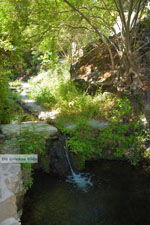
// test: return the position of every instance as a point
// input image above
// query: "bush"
(115, 141)
(30, 143)
(123, 110)
(55, 90)
(45, 97)
(5, 102)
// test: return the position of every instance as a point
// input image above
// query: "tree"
(12, 46)
(45, 26)
(130, 71)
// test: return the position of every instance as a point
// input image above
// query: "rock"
(40, 128)
(92, 123)
(25, 85)
(28, 103)
(40, 77)
(147, 56)
(70, 126)
(97, 125)
(31, 104)
(94, 69)
(12, 180)
(11, 191)
(8, 208)
(57, 157)
(48, 115)
(11, 221)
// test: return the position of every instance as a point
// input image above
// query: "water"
(81, 180)
(120, 195)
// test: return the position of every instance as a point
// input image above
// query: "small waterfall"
(69, 163)
(82, 180)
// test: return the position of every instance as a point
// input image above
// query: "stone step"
(91, 123)
(31, 104)
(41, 128)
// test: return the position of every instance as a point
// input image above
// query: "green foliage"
(123, 110)
(115, 141)
(84, 140)
(31, 143)
(145, 140)
(122, 140)
(55, 90)
(41, 32)
(10, 111)
(6, 106)
(12, 42)
(45, 97)
(15, 83)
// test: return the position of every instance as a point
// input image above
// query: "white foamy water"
(81, 180)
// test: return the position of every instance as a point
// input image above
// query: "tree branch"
(101, 35)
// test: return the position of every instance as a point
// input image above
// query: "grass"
(55, 90)
(122, 138)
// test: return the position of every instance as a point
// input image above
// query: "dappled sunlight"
(60, 94)
(74, 90)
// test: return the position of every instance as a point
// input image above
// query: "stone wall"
(11, 177)
(11, 191)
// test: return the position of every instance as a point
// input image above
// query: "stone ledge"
(95, 124)
(11, 221)
(37, 127)
(11, 189)
(8, 208)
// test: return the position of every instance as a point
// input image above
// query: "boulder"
(57, 156)
(94, 69)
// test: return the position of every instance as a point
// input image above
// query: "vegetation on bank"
(29, 143)
(40, 33)
(55, 90)
(117, 141)
(123, 138)
(39, 37)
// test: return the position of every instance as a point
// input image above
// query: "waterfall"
(81, 180)
(69, 163)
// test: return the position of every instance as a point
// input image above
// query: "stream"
(119, 195)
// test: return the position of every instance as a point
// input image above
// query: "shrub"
(55, 90)
(45, 97)
(115, 141)
(30, 143)
(5, 102)
(122, 110)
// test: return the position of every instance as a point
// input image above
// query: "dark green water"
(120, 196)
